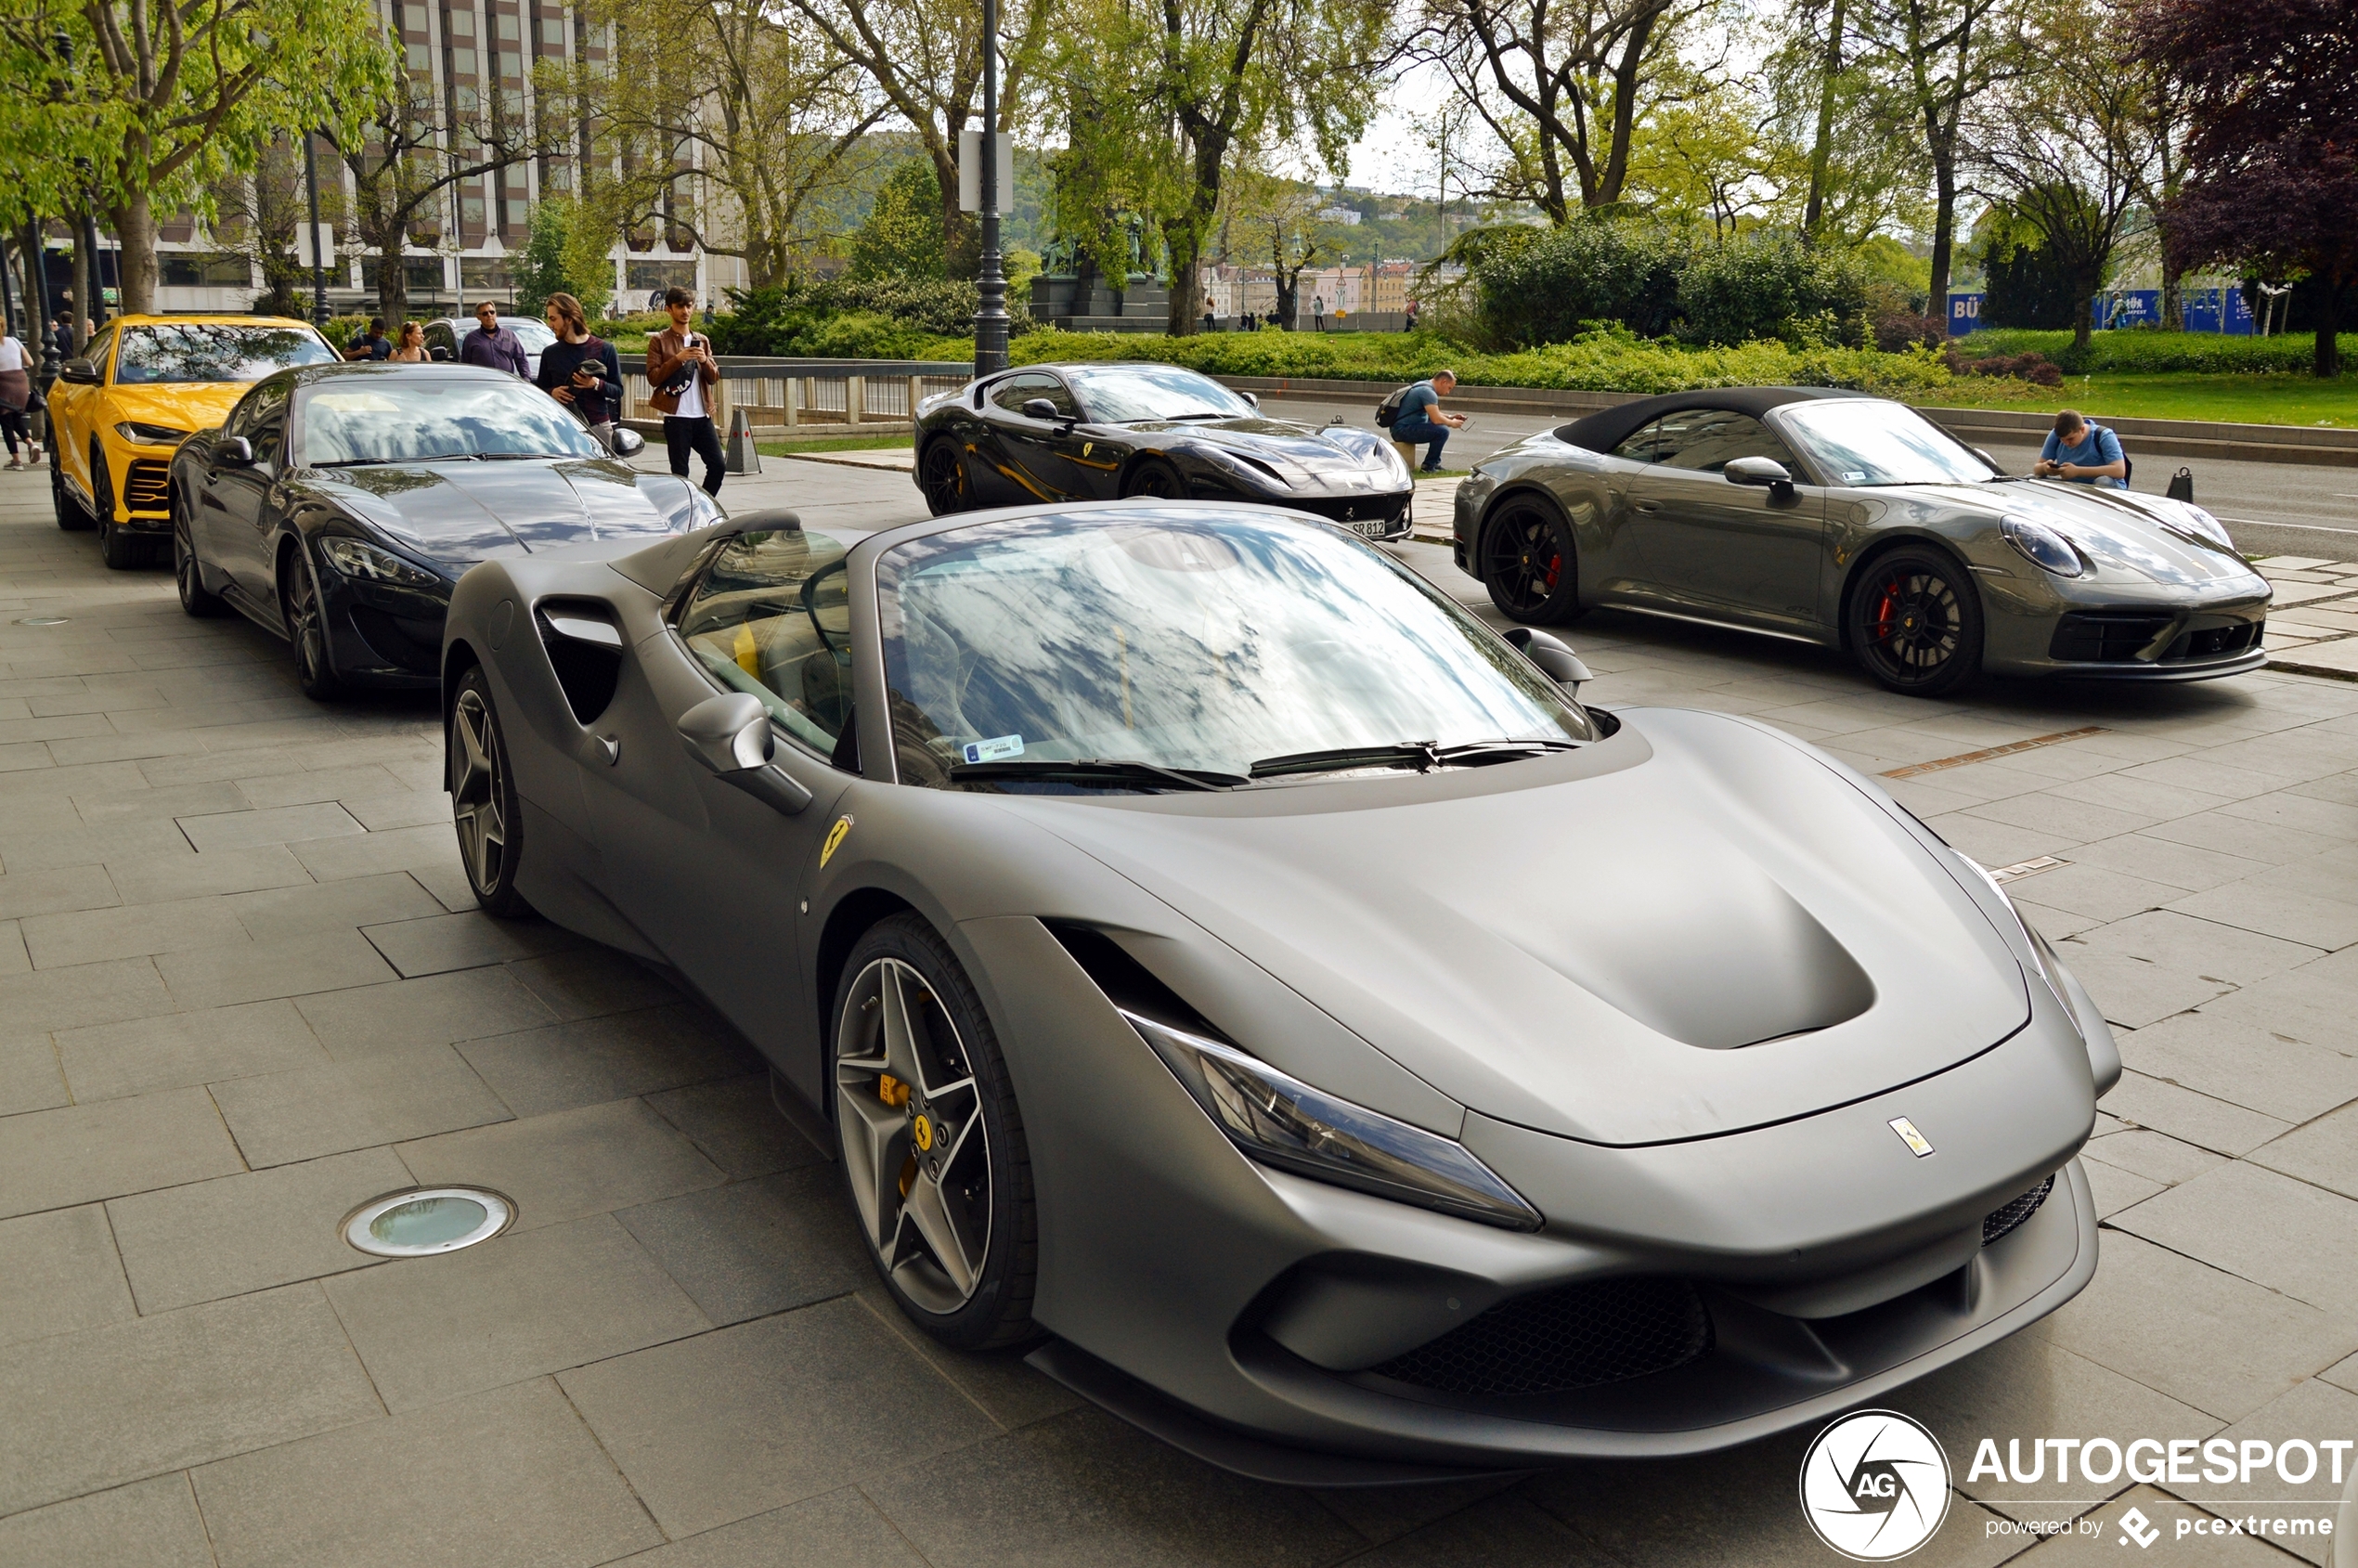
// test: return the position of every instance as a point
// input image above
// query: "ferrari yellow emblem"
(747, 652)
(835, 841)
(1087, 448)
(925, 1133)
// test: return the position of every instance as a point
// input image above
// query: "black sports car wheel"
(307, 629)
(482, 800)
(1916, 622)
(1528, 563)
(71, 518)
(942, 474)
(933, 1144)
(1155, 479)
(195, 598)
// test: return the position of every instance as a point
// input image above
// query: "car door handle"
(1649, 506)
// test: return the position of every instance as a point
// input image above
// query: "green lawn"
(2250, 399)
(832, 443)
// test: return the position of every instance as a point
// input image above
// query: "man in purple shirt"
(494, 346)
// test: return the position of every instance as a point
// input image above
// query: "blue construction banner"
(1965, 313)
(2116, 308)
(2219, 309)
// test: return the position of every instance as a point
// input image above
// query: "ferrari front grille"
(2000, 1221)
(145, 484)
(1573, 1337)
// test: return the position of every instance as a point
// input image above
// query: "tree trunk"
(1944, 232)
(2174, 296)
(134, 227)
(86, 278)
(2083, 320)
(1822, 149)
(393, 276)
(1187, 282)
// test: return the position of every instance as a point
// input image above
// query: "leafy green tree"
(902, 236)
(566, 253)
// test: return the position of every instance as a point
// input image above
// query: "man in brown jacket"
(683, 374)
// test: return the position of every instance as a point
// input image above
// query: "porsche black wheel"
(306, 621)
(1528, 563)
(1156, 480)
(483, 799)
(71, 518)
(1916, 622)
(195, 598)
(942, 474)
(933, 1143)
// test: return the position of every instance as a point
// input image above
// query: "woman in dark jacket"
(578, 371)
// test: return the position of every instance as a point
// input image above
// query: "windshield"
(1187, 639)
(1121, 393)
(214, 350)
(534, 335)
(417, 417)
(1866, 441)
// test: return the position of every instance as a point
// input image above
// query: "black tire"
(1914, 621)
(120, 548)
(195, 598)
(941, 475)
(71, 518)
(981, 1188)
(299, 607)
(483, 797)
(1154, 479)
(1528, 562)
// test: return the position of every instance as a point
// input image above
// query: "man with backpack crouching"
(1416, 415)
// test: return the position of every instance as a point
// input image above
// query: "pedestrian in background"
(1409, 325)
(372, 344)
(681, 369)
(1319, 312)
(2082, 453)
(411, 348)
(1210, 315)
(16, 393)
(494, 346)
(1421, 421)
(579, 370)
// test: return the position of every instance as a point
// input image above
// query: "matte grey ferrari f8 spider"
(1235, 972)
(1835, 518)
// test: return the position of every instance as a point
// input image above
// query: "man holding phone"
(579, 370)
(681, 370)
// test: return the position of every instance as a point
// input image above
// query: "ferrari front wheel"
(483, 799)
(942, 474)
(195, 598)
(1154, 479)
(933, 1141)
(1529, 564)
(1916, 622)
(307, 618)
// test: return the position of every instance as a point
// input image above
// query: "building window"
(189, 269)
(485, 272)
(419, 273)
(662, 274)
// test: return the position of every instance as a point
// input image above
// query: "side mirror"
(439, 355)
(1554, 656)
(1995, 466)
(628, 443)
(1765, 471)
(1041, 410)
(82, 372)
(730, 734)
(1256, 402)
(235, 451)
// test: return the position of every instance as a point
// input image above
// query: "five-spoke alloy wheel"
(933, 1144)
(483, 799)
(1155, 480)
(195, 598)
(1916, 622)
(306, 619)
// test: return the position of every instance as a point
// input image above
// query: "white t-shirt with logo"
(692, 395)
(12, 355)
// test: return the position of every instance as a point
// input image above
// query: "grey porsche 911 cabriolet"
(1854, 522)
(1233, 971)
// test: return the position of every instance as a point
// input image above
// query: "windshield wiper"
(365, 463)
(1096, 769)
(1423, 756)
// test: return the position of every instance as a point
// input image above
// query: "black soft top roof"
(1603, 431)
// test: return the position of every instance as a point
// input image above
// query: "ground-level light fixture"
(427, 1222)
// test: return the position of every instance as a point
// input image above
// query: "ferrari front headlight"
(360, 559)
(141, 434)
(2039, 947)
(1282, 1121)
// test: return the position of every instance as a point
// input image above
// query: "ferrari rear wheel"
(933, 1141)
(482, 800)
(1155, 479)
(195, 598)
(306, 620)
(942, 474)
(1529, 564)
(1916, 622)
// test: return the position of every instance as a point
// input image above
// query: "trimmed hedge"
(863, 318)
(2142, 351)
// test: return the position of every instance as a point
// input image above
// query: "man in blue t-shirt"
(1421, 421)
(2083, 453)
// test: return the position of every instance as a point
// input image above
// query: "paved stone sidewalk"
(242, 989)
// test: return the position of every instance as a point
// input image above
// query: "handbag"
(2182, 485)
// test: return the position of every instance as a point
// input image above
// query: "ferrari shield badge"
(836, 835)
(1918, 1145)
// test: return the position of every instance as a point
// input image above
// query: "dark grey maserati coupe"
(1835, 518)
(1226, 966)
(1101, 431)
(338, 504)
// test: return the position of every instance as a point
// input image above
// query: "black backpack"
(1388, 411)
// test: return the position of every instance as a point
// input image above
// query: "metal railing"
(781, 395)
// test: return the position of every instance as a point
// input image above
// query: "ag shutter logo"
(1875, 1485)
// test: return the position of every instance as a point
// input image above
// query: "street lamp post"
(39, 301)
(991, 307)
(319, 261)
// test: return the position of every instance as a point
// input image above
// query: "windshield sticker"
(991, 751)
(1852, 476)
